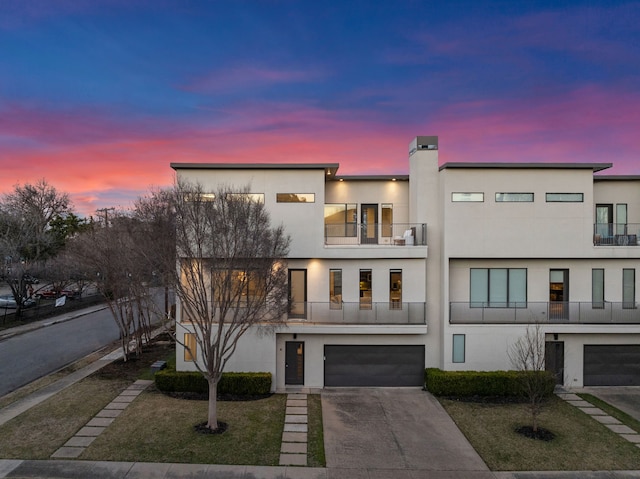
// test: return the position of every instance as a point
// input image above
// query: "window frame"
(282, 197)
(350, 228)
(558, 198)
(628, 303)
(190, 347)
(467, 197)
(597, 302)
(458, 348)
(335, 273)
(506, 198)
(487, 300)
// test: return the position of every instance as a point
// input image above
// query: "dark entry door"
(294, 363)
(554, 359)
(369, 215)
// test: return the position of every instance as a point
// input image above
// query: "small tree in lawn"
(231, 275)
(527, 356)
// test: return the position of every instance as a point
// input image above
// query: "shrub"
(481, 383)
(237, 384)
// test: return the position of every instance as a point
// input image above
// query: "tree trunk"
(212, 420)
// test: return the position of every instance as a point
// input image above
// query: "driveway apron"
(392, 428)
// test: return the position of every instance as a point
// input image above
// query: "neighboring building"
(445, 267)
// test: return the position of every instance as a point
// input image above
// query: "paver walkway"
(293, 451)
(96, 426)
(602, 417)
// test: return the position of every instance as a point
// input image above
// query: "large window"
(335, 288)
(395, 289)
(237, 287)
(340, 219)
(597, 288)
(498, 287)
(628, 288)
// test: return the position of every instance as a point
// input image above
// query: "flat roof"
(583, 166)
(614, 178)
(330, 168)
(372, 178)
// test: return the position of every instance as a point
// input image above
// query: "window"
(514, 197)
(565, 197)
(498, 287)
(628, 288)
(395, 289)
(295, 197)
(458, 348)
(340, 219)
(335, 289)
(256, 197)
(597, 288)
(387, 220)
(621, 219)
(467, 197)
(190, 347)
(365, 289)
(237, 287)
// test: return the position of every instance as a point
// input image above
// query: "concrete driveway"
(401, 429)
(625, 398)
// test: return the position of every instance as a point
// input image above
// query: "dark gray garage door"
(373, 365)
(612, 365)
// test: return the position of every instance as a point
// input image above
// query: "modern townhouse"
(445, 267)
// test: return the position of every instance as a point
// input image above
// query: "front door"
(554, 359)
(294, 363)
(559, 294)
(369, 230)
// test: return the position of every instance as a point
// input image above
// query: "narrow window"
(565, 197)
(295, 197)
(467, 197)
(628, 288)
(335, 289)
(597, 288)
(458, 348)
(365, 289)
(190, 347)
(621, 219)
(479, 287)
(514, 197)
(387, 220)
(255, 197)
(395, 289)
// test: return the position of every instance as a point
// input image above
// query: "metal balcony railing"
(393, 234)
(616, 234)
(358, 313)
(544, 312)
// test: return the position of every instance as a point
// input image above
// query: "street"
(29, 356)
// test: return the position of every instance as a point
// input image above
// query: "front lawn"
(581, 443)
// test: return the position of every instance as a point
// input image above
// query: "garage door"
(373, 365)
(612, 365)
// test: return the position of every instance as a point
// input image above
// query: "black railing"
(616, 234)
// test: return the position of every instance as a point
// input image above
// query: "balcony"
(616, 234)
(387, 313)
(395, 234)
(545, 312)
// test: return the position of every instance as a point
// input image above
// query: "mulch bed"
(203, 429)
(541, 434)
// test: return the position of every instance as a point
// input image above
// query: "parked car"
(8, 302)
(52, 294)
(30, 279)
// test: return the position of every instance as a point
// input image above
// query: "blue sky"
(99, 96)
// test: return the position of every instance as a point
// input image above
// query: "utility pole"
(106, 215)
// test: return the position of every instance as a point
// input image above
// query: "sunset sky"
(99, 96)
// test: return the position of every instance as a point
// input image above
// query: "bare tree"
(527, 356)
(26, 233)
(231, 275)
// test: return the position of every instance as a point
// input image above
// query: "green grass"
(315, 436)
(621, 416)
(581, 443)
(159, 428)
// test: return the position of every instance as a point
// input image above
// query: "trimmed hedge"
(240, 384)
(481, 383)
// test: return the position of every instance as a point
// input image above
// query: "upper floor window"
(387, 219)
(340, 219)
(498, 287)
(467, 197)
(514, 197)
(565, 197)
(257, 197)
(295, 197)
